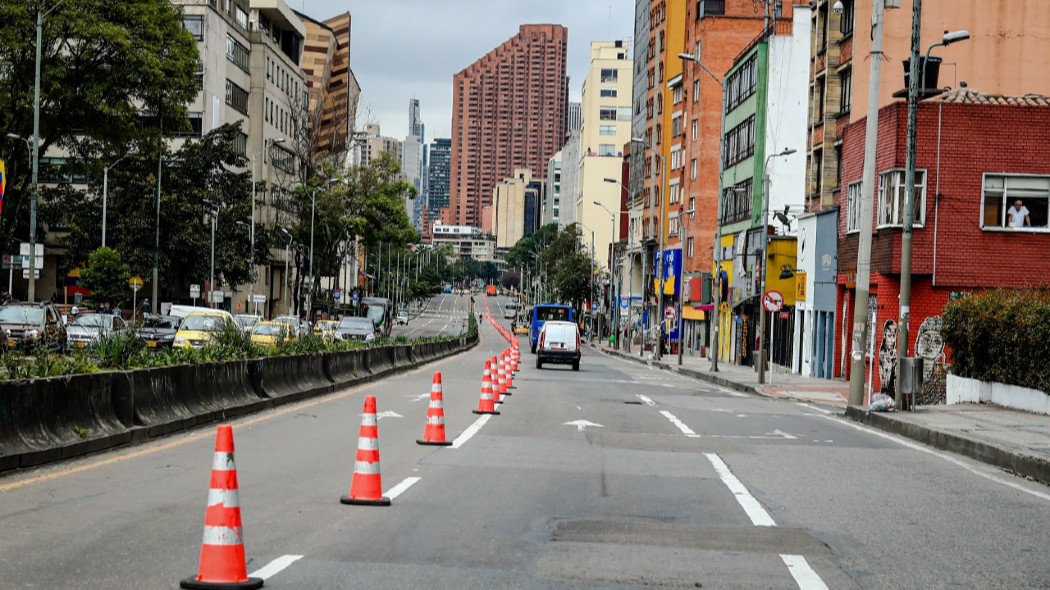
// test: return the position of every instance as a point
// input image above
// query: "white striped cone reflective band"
(368, 419)
(218, 535)
(222, 461)
(436, 420)
(366, 467)
(367, 443)
(226, 498)
(435, 405)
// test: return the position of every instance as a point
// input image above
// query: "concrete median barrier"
(286, 379)
(345, 367)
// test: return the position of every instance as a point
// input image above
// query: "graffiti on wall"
(929, 345)
(888, 357)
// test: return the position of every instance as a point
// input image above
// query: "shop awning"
(691, 313)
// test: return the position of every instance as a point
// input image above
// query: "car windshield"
(355, 324)
(246, 320)
(202, 323)
(161, 322)
(376, 313)
(90, 321)
(21, 315)
(269, 329)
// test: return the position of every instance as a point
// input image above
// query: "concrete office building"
(570, 179)
(515, 208)
(575, 117)
(551, 207)
(371, 143)
(606, 128)
(440, 157)
(509, 111)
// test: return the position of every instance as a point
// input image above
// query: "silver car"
(87, 330)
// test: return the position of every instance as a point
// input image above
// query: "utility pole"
(864, 221)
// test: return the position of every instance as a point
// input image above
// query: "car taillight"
(577, 340)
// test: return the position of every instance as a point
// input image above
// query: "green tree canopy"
(106, 276)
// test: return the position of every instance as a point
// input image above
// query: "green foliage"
(116, 350)
(43, 363)
(103, 64)
(106, 276)
(1001, 335)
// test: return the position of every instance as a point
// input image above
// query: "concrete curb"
(700, 375)
(1035, 467)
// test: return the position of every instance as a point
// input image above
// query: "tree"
(113, 74)
(573, 279)
(106, 276)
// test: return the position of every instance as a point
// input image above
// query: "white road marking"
(646, 400)
(784, 434)
(754, 510)
(681, 425)
(419, 397)
(401, 487)
(812, 407)
(800, 570)
(470, 431)
(274, 567)
(581, 424)
(948, 458)
(388, 414)
(805, 577)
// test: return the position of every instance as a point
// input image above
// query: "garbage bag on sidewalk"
(880, 402)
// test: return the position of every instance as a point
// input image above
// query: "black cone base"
(443, 443)
(193, 583)
(384, 501)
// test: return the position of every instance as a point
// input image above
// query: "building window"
(739, 142)
(607, 113)
(194, 23)
(240, 144)
(609, 75)
(736, 202)
(607, 130)
(742, 83)
(689, 247)
(196, 128)
(236, 53)
(696, 90)
(891, 198)
(676, 125)
(846, 83)
(282, 159)
(853, 208)
(623, 113)
(710, 7)
(692, 169)
(242, 17)
(846, 18)
(608, 93)
(1002, 193)
(237, 97)
(606, 149)
(696, 129)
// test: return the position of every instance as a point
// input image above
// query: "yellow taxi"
(271, 333)
(199, 328)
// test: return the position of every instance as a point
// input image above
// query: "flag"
(3, 184)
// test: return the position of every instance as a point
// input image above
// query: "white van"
(559, 343)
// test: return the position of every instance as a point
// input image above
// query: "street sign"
(216, 296)
(25, 273)
(195, 291)
(670, 312)
(258, 298)
(12, 261)
(337, 295)
(773, 300)
(625, 302)
(135, 283)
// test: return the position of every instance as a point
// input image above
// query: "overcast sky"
(400, 49)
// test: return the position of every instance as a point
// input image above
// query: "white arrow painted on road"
(419, 397)
(581, 424)
(388, 414)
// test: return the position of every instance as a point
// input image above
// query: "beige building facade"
(508, 208)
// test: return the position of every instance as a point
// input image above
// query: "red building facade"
(976, 155)
(508, 111)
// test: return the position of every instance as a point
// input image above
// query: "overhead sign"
(773, 300)
(216, 296)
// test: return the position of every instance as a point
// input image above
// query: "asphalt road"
(618, 476)
(444, 314)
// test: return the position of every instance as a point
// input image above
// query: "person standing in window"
(1018, 215)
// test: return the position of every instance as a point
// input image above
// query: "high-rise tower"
(508, 111)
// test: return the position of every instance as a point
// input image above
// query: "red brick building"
(976, 156)
(508, 111)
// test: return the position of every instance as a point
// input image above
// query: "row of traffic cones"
(222, 562)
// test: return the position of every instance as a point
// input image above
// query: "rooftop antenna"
(610, 22)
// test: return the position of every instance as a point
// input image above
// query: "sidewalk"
(1015, 441)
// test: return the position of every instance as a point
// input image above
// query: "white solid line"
(948, 458)
(470, 431)
(805, 405)
(274, 567)
(647, 401)
(805, 577)
(754, 510)
(401, 487)
(681, 425)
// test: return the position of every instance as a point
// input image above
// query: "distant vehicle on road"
(559, 344)
(402, 317)
(544, 312)
(87, 329)
(272, 333)
(381, 311)
(246, 321)
(158, 331)
(354, 328)
(490, 290)
(510, 311)
(27, 325)
(200, 328)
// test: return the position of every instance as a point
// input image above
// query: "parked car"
(199, 328)
(246, 321)
(158, 331)
(300, 328)
(87, 329)
(402, 317)
(559, 343)
(325, 329)
(272, 333)
(27, 325)
(355, 328)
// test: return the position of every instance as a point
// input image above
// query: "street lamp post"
(909, 183)
(214, 209)
(684, 237)
(310, 290)
(716, 249)
(763, 263)
(614, 304)
(660, 273)
(251, 231)
(287, 245)
(105, 194)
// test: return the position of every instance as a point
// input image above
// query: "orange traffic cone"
(434, 431)
(509, 373)
(222, 562)
(503, 377)
(486, 405)
(366, 487)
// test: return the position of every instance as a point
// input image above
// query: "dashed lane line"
(274, 567)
